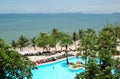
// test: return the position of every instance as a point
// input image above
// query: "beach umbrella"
(22, 53)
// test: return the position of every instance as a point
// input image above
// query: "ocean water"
(29, 25)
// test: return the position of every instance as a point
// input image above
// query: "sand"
(34, 58)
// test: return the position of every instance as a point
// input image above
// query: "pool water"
(57, 70)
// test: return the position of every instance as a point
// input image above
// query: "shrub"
(74, 66)
(78, 62)
(71, 63)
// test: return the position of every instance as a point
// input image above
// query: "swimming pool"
(57, 70)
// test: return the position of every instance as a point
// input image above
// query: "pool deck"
(35, 58)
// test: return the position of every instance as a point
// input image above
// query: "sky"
(59, 6)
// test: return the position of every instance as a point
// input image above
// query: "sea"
(30, 25)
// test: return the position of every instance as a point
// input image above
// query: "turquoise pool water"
(57, 70)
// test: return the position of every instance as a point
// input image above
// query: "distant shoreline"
(57, 13)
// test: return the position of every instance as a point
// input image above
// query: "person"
(53, 67)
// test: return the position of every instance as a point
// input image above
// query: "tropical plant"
(75, 38)
(116, 30)
(66, 41)
(22, 42)
(107, 46)
(33, 42)
(14, 44)
(56, 36)
(91, 70)
(88, 44)
(42, 40)
(89, 48)
(52, 42)
(80, 34)
(12, 65)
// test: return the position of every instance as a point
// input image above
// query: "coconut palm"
(55, 31)
(107, 47)
(88, 45)
(116, 30)
(66, 41)
(54, 38)
(51, 42)
(22, 42)
(14, 44)
(42, 41)
(80, 34)
(33, 42)
(56, 35)
(75, 39)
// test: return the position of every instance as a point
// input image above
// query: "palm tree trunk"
(14, 48)
(67, 55)
(34, 48)
(43, 49)
(75, 46)
(20, 48)
(61, 48)
(49, 49)
(55, 48)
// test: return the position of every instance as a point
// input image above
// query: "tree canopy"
(13, 65)
(105, 45)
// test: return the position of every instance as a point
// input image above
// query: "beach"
(34, 58)
(40, 57)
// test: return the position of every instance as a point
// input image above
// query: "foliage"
(75, 38)
(105, 45)
(22, 42)
(42, 40)
(12, 65)
(88, 44)
(66, 41)
(14, 44)
(33, 42)
(80, 34)
(52, 41)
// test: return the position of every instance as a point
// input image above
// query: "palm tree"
(42, 40)
(75, 39)
(88, 44)
(80, 33)
(116, 31)
(14, 44)
(107, 47)
(22, 42)
(33, 42)
(55, 31)
(65, 41)
(56, 35)
(52, 42)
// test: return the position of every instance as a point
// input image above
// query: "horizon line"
(64, 13)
